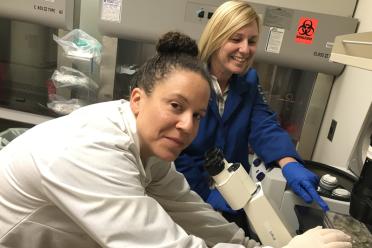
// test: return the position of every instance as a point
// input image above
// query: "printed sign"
(274, 42)
(111, 10)
(306, 29)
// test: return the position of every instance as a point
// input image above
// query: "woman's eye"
(198, 116)
(176, 106)
(252, 42)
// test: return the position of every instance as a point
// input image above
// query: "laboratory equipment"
(28, 56)
(295, 74)
(241, 192)
(335, 188)
(344, 202)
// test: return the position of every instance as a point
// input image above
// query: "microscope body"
(239, 190)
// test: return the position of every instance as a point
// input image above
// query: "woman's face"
(168, 118)
(236, 54)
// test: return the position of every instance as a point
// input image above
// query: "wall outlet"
(332, 130)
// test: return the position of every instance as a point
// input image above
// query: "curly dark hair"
(175, 51)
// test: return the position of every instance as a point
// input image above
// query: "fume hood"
(28, 56)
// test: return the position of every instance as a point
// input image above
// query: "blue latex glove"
(218, 202)
(304, 183)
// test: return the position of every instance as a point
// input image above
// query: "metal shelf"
(353, 49)
(20, 116)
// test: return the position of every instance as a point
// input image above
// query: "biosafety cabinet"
(292, 59)
(28, 56)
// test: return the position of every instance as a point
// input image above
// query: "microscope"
(241, 192)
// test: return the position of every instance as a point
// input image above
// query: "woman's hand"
(321, 238)
(304, 183)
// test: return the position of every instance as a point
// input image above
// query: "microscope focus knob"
(214, 161)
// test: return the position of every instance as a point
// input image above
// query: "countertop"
(361, 236)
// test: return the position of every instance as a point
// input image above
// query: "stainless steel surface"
(314, 115)
(108, 67)
(56, 13)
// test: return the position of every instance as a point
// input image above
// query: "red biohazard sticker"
(305, 30)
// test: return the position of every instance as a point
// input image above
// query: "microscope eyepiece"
(214, 163)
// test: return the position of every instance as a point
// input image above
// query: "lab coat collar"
(131, 129)
(130, 121)
(131, 126)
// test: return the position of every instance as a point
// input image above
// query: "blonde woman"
(237, 115)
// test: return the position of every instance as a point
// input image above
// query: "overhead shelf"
(353, 49)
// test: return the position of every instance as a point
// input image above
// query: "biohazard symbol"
(306, 29)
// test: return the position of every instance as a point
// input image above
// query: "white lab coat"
(78, 181)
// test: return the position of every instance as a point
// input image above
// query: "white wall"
(348, 105)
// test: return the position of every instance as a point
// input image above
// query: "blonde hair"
(228, 18)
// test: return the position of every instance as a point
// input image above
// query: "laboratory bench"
(360, 234)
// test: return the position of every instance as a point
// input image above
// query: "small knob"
(341, 193)
(257, 162)
(214, 163)
(200, 13)
(328, 182)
